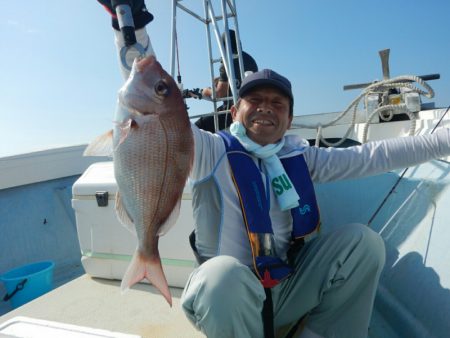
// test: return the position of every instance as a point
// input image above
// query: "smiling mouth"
(263, 122)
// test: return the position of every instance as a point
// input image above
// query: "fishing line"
(401, 176)
(178, 56)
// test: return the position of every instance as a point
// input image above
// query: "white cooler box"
(107, 246)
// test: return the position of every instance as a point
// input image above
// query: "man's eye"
(280, 104)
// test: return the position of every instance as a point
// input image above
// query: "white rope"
(385, 112)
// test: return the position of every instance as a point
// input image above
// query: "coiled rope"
(385, 112)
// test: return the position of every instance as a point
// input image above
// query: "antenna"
(384, 55)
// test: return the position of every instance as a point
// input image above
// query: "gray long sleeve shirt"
(219, 224)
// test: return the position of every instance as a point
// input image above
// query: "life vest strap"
(268, 267)
(267, 315)
(272, 270)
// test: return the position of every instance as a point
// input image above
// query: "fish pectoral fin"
(124, 128)
(101, 146)
(171, 220)
(123, 215)
(150, 268)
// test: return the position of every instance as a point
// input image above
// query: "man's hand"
(195, 93)
(141, 16)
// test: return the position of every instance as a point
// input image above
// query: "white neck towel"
(281, 184)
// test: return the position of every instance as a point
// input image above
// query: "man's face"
(264, 112)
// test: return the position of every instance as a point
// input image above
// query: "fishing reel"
(195, 93)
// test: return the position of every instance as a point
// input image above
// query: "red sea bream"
(152, 153)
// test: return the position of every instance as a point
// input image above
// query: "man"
(254, 203)
(334, 276)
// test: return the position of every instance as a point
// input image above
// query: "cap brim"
(248, 87)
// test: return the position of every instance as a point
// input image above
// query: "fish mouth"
(136, 112)
(144, 62)
(145, 113)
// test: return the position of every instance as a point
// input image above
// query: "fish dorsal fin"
(101, 146)
(171, 220)
(123, 215)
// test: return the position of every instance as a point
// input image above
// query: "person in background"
(263, 263)
(223, 88)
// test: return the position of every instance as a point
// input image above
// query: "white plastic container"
(107, 246)
(371, 105)
(412, 101)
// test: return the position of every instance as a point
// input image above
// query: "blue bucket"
(28, 282)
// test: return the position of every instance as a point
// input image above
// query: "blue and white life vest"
(246, 176)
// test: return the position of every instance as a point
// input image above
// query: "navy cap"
(267, 77)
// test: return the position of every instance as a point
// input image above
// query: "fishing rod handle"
(125, 19)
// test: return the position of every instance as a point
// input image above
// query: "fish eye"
(161, 88)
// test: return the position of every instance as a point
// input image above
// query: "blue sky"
(59, 70)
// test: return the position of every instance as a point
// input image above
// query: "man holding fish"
(253, 203)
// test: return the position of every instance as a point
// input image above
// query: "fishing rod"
(402, 175)
(124, 15)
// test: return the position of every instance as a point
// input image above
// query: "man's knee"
(223, 294)
(224, 273)
(219, 285)
(370, 244)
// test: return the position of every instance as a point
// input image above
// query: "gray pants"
(335, 279)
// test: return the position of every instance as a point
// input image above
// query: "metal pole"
(226, 55)
(211, 68)
(229, 55)
(219, 42)
(173, 37)
(238, 38)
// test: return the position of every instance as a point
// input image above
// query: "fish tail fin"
(142, 267)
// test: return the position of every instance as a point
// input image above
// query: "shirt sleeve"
(331, 164)
(209, 148)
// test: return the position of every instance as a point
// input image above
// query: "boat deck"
(98, 304)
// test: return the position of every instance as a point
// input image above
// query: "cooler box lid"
(97, 177)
